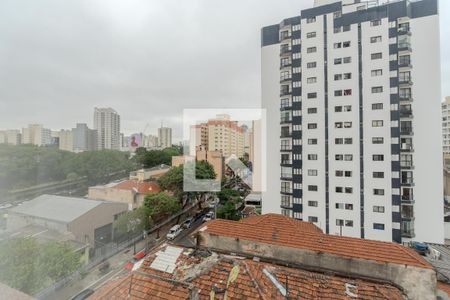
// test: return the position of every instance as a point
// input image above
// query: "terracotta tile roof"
(285, 231)
(143, 187)
(445, 287)
(203, 273)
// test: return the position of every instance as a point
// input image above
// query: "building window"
(378, 209)
(378, 55)
(286, 212)
(347, 108)
(348, 223)
(339, 141)
(346, 28)
(377, 72)
(377, 89)
(347, 76)
(375, 39)
(347, 92)
(378, 192)
(285, 103)
(338, 61)
(313, 203)
(338, 109)
(311, 20)
(348, 157)
(404, 60)
(285, 201)
(378, 174)
(377, 106)
(378, 226)
(339, 222)
(312, 95)
(377, 123)
(311, 80)
(347, 124)
(348, 173)
(337, 45)
(338, 93)
(346, 44)
(337, 77)
(313, 219)
(377, 140)
(347, 60)
(337, 14)
(339, 157)
(337, 29)
(311, 50)
(312, 172)
(311, 34)
(312, 156)
(339, 189)
(375, 23)
(312, 125)
(311, 65)
(312, 141)
(378, 157)
(348, 190)
(348, 141)
(285, 187)
(338, 125)
(312, 188)
(339, 173)
(312, 110)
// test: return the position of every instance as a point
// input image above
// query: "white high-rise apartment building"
(65, 140)
(165, 137)
(446, 125)
(107, 125)
(352, 92)
(10, 136)
(36, 134)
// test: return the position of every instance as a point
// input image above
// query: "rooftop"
(142, 187)
(56, 208)
(205, 274)
(272, 229)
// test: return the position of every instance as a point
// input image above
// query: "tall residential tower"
(352, 92)
(107, 125)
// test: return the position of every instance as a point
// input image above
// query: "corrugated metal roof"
(165, 261)
(56, 208)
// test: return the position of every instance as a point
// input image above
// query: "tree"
(161, 205)
(132, 222)
(30, 266)
(152, 158)
(227, 194)
(228, 211)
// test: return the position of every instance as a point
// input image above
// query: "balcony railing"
(404, 30)
(285, 106)
(406, 164)
(286, 191)
(286, 148)
(406, 131)
(285, 92)
(285, 37)
(285, 50)
(405, 97)
(405, 81)
(404, 47)
(285, 78)
(405, 113)
(407, 181)
(285, 120)
(406, 147)
(407, 198)
(286, 135)
(286, 176)
(286, 162)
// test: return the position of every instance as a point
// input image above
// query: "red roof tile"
(285, 231)
(445, 287)
(206, 273)
(143, 187)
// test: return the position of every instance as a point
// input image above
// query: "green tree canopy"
(161, 205)
(30, 266)
(152, 158)
(228, 211)
(133, 222)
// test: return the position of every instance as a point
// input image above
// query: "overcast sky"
(148, 59)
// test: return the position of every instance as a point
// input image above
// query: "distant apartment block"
(66, 140)
(36, 134)
(107, 125)
(10, 136)
(352, 92)
(84, 138)
(218, 134)
(165, 137)
(446, 126)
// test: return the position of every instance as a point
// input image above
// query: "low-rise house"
(130, 192)
(88, 221)
(150, 173)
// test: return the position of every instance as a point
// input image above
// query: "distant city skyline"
(59, 60)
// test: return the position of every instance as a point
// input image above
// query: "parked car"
(208, 217)
(419, 247)
(83, 295)
(174, 232)
(137, 257)
(188, 223)
(199, 215)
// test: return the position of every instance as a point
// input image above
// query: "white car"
(174, 232)
(208, 217)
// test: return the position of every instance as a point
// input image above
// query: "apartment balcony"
(408, 233)
(405, 64)
(405, 81)
(409, 165)
(285, 51)
(285, 93)
(406, 46)
(285, 120)
(285, 78)
(285, 65)
(406, 113)
(286, 148)
(286, 176)
(285, 106)
(406, 131)
(286, 163)
(407, 182)
(406, 148)
(286, 191)
(407, 199)
(286, 134)
(285, 37)
(405, 98)
(286, 205)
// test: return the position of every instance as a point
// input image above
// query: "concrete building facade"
(107, 125)
(165, 137)
(352, 94)
(36, 134)
(446, 126)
